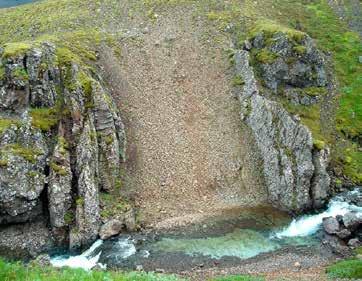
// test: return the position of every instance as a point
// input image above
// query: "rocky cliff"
(290, 70)
(62, 142)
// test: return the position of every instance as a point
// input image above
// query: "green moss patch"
(44, 118)
(58, 169)
(7, 123)
(29, 154)
(15, 49)
(264, 56)
(269, 29)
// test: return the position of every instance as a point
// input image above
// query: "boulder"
(354, 243)
(331, 225)
(344, 234)
(352, 220)
(111, 228)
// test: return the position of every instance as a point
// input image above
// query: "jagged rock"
(23, 152)
(25, 241)
(297, 97)
(60, 185)
(321, 181)
(336, 245)
(110, 139)
(285, 145)
(331, 225)
(87, 210)
(130, 220)
(65, 141)
(111, 228)
(352, 220)
(297, 64)
(354, 243)
(344, 234)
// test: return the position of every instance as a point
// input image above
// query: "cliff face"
(62, 142)
(294, 168)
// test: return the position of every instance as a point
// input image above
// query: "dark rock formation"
(61, 142)
(343, 233)
(294, 172)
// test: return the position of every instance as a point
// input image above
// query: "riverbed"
(243, 238)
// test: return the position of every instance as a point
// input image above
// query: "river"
(187, 249)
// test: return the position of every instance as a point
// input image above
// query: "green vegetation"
(20, 73)
(24, 152)
(349, 269)
(4, 163)
(69, 217)
(19, 272)
(239, 278)
(300, 50)
(270, 28)
(113, 204)
(15, 49)
(44, 118)
(7, 123)
(58, 169)
(2, 72)
(318, 144)
(79, 201)
(265, 56)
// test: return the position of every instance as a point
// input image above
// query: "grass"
(14, 49)
(18, 272)
(349, 269)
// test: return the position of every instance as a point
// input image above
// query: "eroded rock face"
(61, 142)
(289, 59)
(295, 174)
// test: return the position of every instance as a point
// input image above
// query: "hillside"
(151, 115)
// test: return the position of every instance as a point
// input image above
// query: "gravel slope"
(187, 152)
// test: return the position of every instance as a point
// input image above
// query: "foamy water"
(86, 260)
(310, 224)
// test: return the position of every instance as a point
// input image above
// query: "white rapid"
(86, 260)
(310, 224)
(123, 248)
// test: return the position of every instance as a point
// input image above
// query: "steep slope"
(187, 152)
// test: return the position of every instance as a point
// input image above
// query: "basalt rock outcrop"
(61, 142)
(273, 70)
